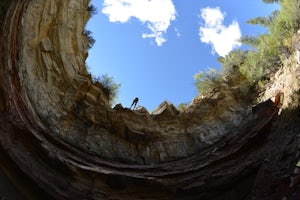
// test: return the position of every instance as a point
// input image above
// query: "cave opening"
(58, 130)
(145, 70)
(161, 67)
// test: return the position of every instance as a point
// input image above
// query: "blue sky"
(154, 48)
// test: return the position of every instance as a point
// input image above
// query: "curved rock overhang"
(58, 130)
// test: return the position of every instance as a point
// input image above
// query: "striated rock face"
(59, 135)
(61, 96)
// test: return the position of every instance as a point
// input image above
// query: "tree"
(259, 20)
(265, 21)
(234, 58)
(206, 81)
(92, 9)
(250, 41)
(288, 19)
(91, 41)
(271, 1)
(269, 47)
(110, 87)
(182, 106)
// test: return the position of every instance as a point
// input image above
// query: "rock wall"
(60, 93)
(58, 130)
(286, 79)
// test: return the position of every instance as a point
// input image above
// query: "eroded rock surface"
(58, 90)
(59, 132)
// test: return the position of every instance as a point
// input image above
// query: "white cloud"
(178, 34)
(222, 38)
(157, 14)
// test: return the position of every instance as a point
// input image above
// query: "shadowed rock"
(59, 134)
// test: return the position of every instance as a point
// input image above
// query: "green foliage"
(270, 46)
(182, 107)
(253, 67)
(233, 60)
(87, 33)
(259, 20)
(110, 87)
(287, 21)
(206, 81)
(271, 1)
(268, 49)
(265, 21)
(210, 79)
(91, 41)
(92, 9)
(257, 64)
(250, 41)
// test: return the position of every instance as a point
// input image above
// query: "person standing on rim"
(135, 101)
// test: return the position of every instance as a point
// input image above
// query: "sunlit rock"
(58, 131)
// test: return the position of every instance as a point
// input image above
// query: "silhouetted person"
(135, 101)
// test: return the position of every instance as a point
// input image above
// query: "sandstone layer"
(60, 137)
